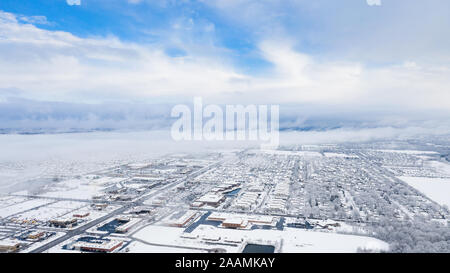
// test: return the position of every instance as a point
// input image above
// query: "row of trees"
(416, 235)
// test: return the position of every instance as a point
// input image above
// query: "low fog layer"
(31, 160)
(20, 115)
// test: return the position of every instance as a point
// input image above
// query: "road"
(122, 209)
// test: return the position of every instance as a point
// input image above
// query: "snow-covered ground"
(440, 167)
(51, 211)
(289, 239)
(138, 247)
(82, 188)
(437, 189)
(34, 160)
(340, 155)
(299, 153)
(11, 200)
(22, 206)
(411, 152)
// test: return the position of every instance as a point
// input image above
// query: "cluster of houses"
(278, 198)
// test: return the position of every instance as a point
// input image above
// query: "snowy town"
(299, 198)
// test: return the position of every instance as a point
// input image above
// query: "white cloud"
(58, 65)
(345, 29)
(73, 2)
(374, 2)
(359, 135)
(37, 20)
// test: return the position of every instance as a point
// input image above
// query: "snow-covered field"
(289, 240)
(22, 206)
(299, 153)
(437, 189)
(138, 247)
(10, 200)
(411, 152)
(51, 211)
(27, 158)
(440, 167)
(339, 155)
(81, 188)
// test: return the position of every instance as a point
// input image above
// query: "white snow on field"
(290, 239)
(299, 153)
(81, 188)
(339, 155)
(23, 206)
(11, 200)
(440, 167)
(68, 205)
(27, 157)
(135, 185)
(138, 247)
(411, 152)
(309, 241)
(51, 211)
(437, 189)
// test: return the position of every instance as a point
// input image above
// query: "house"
(8, 245)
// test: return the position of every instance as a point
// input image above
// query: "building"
(234, 223)
(211, 238)
(196, 204)
(145, 179)
(261, 220)
(36, 235)
(124, 197)
(246, 201)
(185, 219)
(116, 189)
(158, 203)
(9, 246)
(81, 214)
(216, 216)
(123, 219)
(97, 197)
(103, 246)
(63, 223)
(127, 226)
(242, 221)
(211, 199)
(142, 210)
(148, 181)
(299, 223)
(100, 206)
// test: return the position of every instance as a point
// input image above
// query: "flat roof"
(106, 245)
(210, 198)
(233, 221)
(9, 242)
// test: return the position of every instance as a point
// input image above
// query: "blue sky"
(342, 56)
(146, 22)
(317, 27)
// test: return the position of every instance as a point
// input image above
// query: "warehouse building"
(211, 199)
(184, 219)
(7, 246)
(63, 223)
(127, 226)
(103, 246)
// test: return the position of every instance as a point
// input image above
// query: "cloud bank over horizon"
(318, 63)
